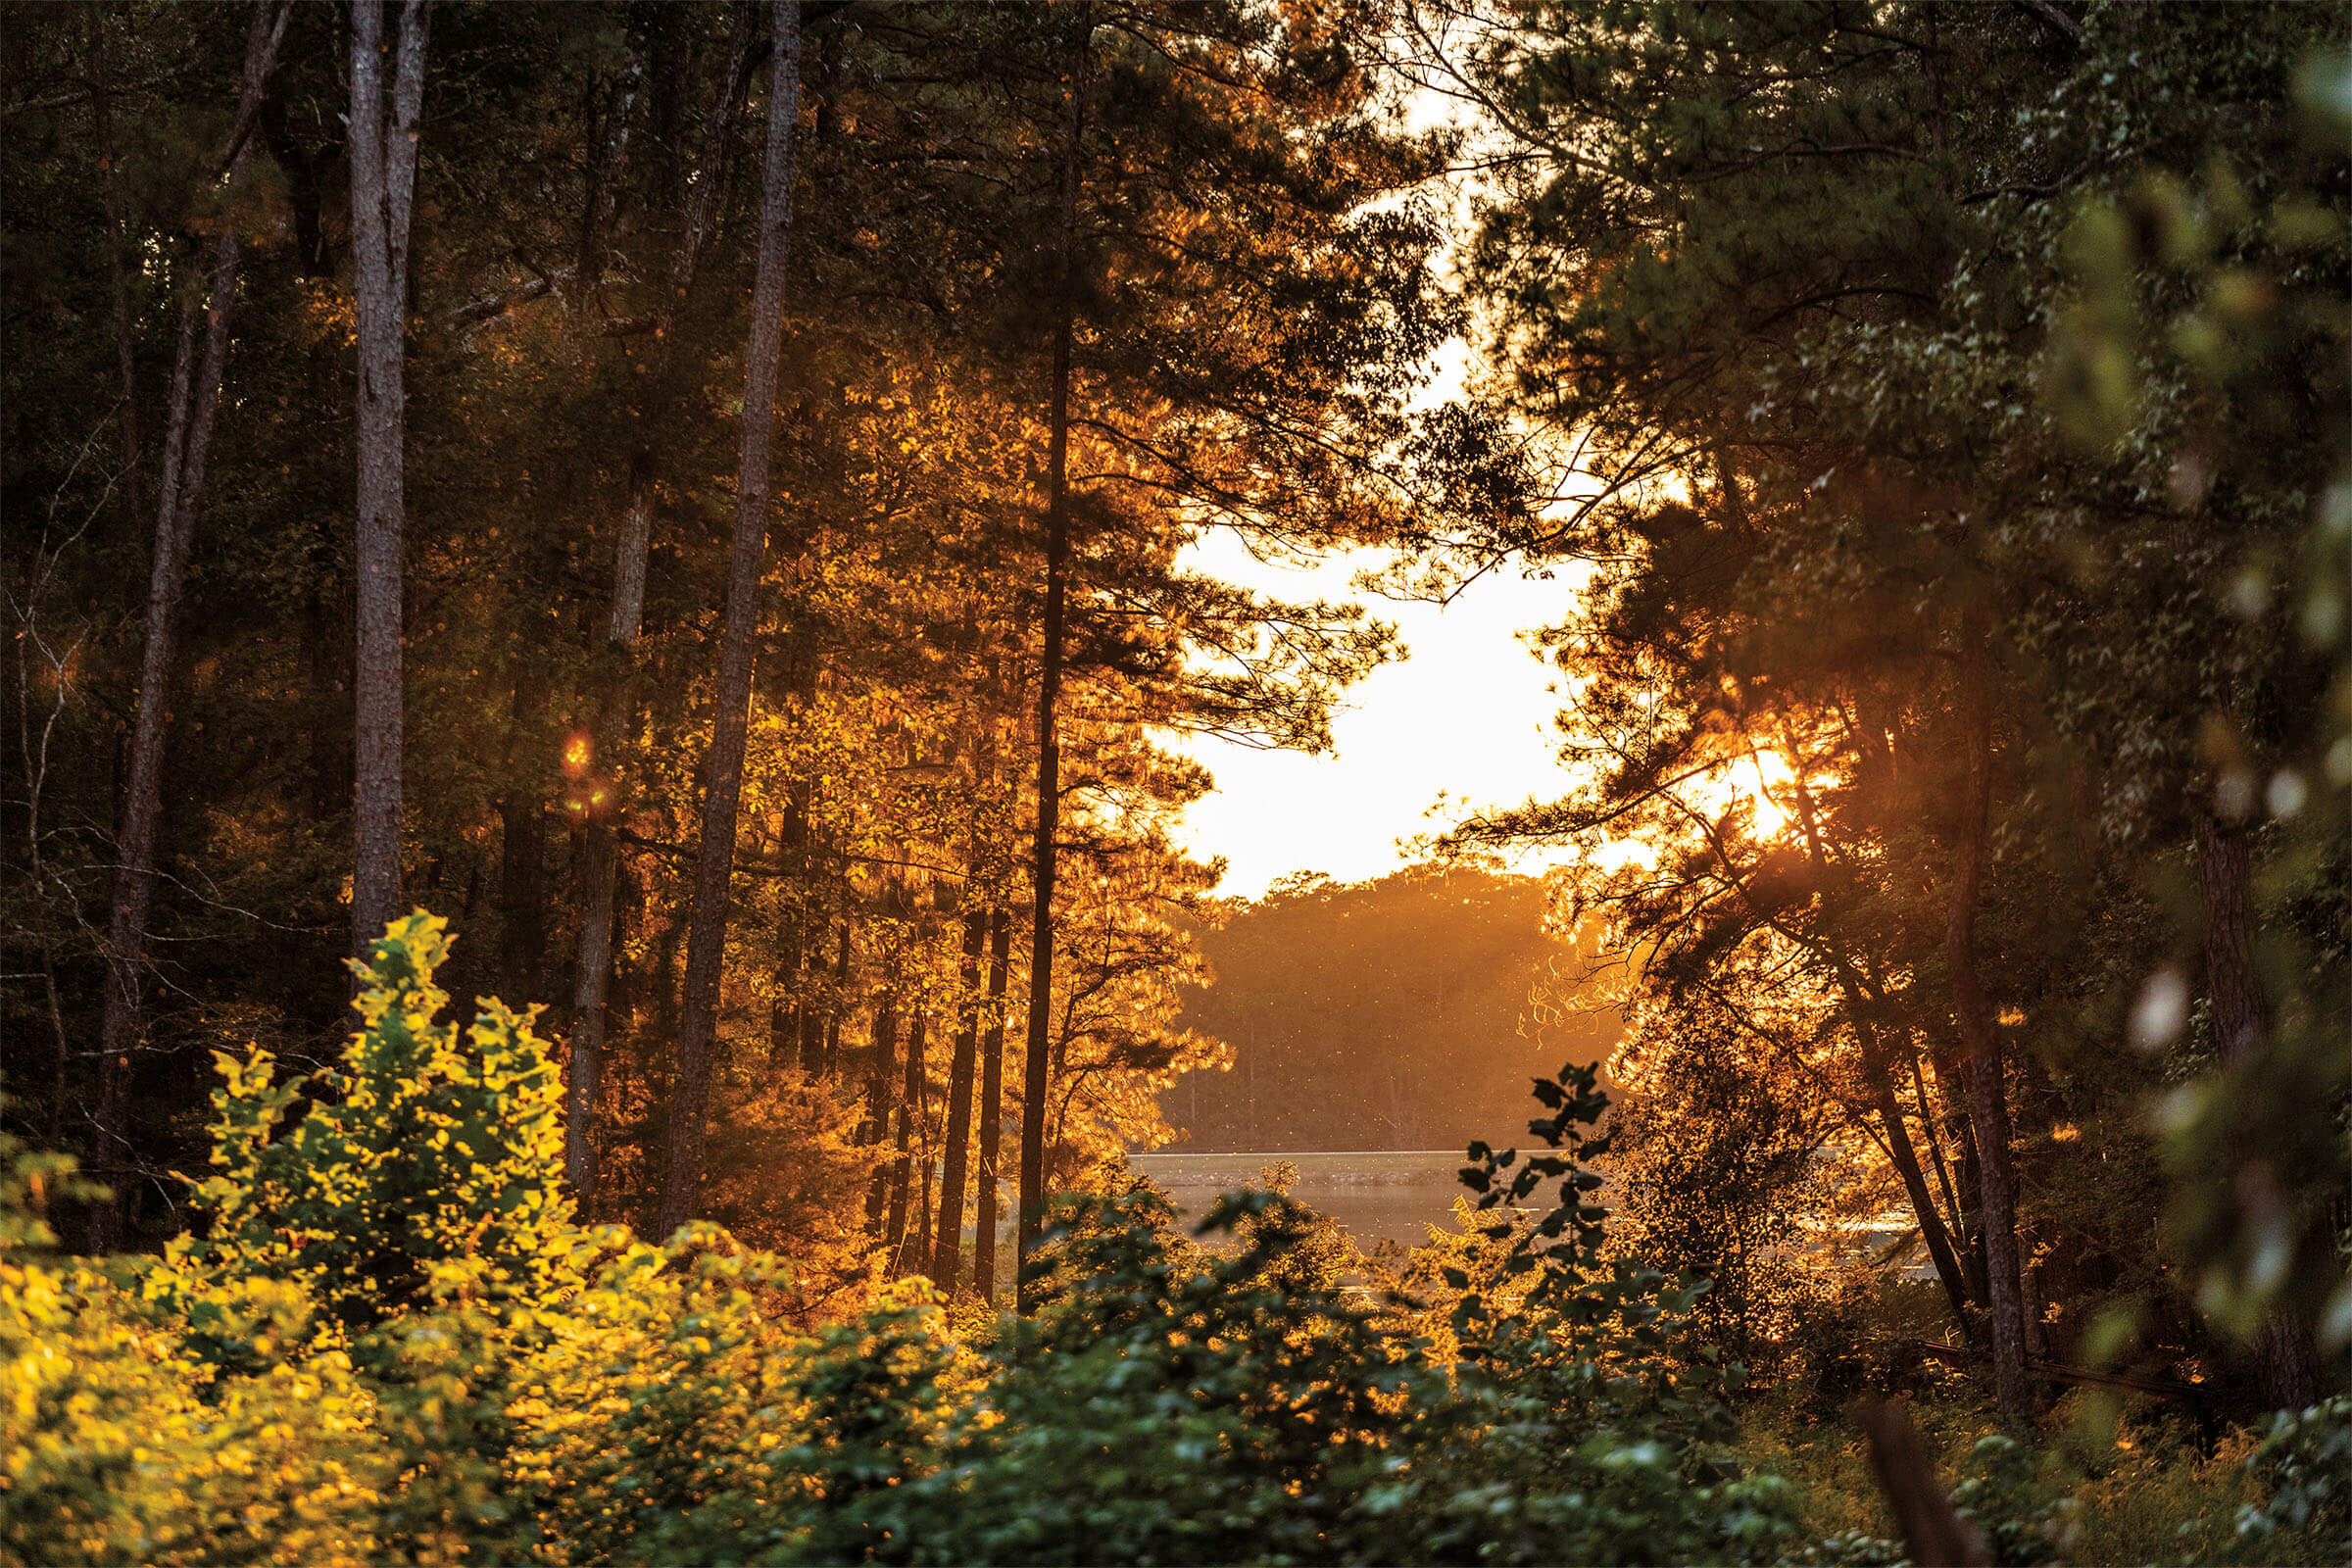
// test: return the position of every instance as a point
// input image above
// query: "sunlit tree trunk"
(1981, 1046)
(2288, 1361)
(830, 1061)
(722, 787)
(991, 1107)
(1049, 691)
(872, 1132)
(947, 1262)
(808, 1019)
(901, 1166)
(187, 448)
(383, 186)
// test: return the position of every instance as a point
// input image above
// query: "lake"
(1378, 1194)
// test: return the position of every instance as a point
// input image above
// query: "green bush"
(394, 1342)
(121, 1444)
(428, 1147)
(2304, 1464)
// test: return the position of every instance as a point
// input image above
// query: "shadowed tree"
(385, 139)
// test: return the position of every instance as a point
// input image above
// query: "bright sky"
(1464, 721)
(1468, 717)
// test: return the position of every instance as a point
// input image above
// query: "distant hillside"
(1383, 1014)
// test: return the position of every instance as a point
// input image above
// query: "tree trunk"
(811, 1044)
(1929, 1123)
(948, 1260)
(523, 851)
(700, 210)
(611, 106)
(715, 856)
(902, 1175)
(922, 1196)
(188, 449)
(601, 862)
(1953, 1083)
(991, 1107)
(383, 187)
(1981, 1046)
(911, 1115)
(1048, 692)
(829, 1062)
(117, 276)
(894, 1232)
(2289, 1358)
(875, 1127)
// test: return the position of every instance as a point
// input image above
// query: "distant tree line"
(1411, 1012)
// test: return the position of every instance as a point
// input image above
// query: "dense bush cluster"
(393, 1341)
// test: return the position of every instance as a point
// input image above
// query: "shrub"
(395, 1343)
(120, 1446)
(2304, 1463)
(427, 1147)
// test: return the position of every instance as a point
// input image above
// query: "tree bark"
(830, 1062)
(901, 1178)
(1981, 1046)
(523, 851)
(117, 276)
(188, 449)
(1953, 1083)
(383, 188)
(991, 1107)
(715, 856)
(2288, 1358)
(811, 1044)
(700, 210)
(875, 1127)
(947, 1262)
(617, 101)
(602, 860)
(1049, 691)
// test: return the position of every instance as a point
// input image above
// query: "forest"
(610, 641)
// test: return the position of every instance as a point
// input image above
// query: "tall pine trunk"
(1981, 1045)
(1049, 693)
(600, 860)
(903, 1260)
(991, 1107)
(948, 1258)
(383, 187)
(600, 865)
(187, 448)
(880, 1075)
(722, 787)
(522, 847)
(2289, 1363)
(117, 240)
